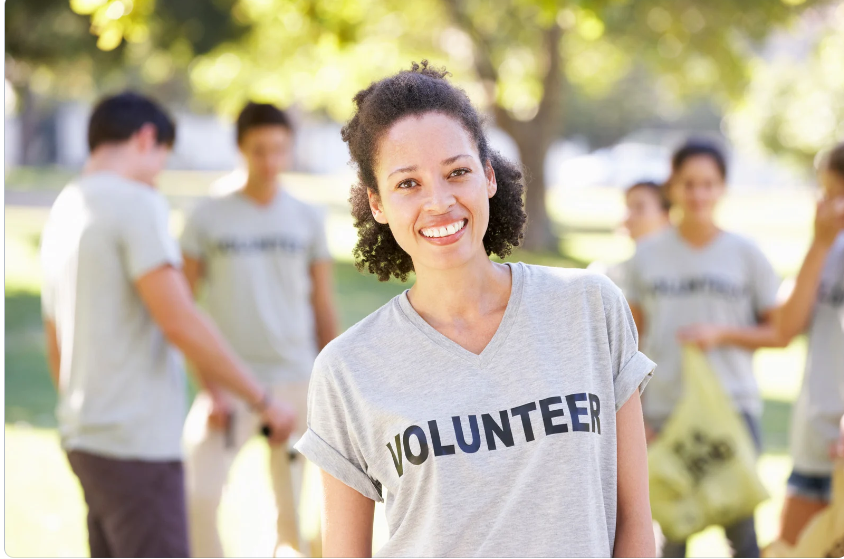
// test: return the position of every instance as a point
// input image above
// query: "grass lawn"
(44, 511)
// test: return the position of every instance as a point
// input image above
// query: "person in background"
(262, 258)
(815, 306)
(115, 304)
(647, 213)
(695, 283)
(648, 210)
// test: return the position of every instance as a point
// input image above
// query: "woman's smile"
(444, 234)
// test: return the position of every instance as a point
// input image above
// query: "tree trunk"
(539, 236)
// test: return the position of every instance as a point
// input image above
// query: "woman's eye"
(405, 184)
(459, 172)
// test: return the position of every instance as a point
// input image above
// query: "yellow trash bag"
(702, 468)
(824, 535)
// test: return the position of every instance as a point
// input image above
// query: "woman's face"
(434, 190)
(696, 188)
(644, 212)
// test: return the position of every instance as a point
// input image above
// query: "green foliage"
(795, 105)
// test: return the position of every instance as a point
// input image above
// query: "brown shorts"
(136, 508)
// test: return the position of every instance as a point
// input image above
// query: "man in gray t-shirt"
(113, 300)
(262, 258)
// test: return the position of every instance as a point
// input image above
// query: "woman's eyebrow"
(403, 170)
(451, 160)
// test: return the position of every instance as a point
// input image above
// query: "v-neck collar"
(486, 356)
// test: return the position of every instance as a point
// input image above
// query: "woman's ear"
(491, 183)
(376, 207)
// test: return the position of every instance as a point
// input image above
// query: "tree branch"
(484, 66)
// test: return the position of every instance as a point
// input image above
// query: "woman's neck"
(472, 291)
(262, 193)
(698, 233)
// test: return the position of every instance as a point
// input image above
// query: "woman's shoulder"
(360, 339)
(561, 280)
(744, 244)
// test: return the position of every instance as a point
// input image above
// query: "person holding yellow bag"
(695, 283)
(816, 305)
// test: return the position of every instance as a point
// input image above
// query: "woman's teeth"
(451, 229)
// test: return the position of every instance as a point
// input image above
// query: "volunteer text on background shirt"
(122, 391)
(508, 453)
(728, 282)
(818, 410)
(257, 268)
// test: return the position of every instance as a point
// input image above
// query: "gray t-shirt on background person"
(508, 453)
(817, 413)
(122, 388)
(729, 282)
(257, 276)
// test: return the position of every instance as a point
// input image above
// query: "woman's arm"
(347, 518)
(634, 534)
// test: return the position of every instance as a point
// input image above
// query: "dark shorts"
(136, 508)
(814, 487)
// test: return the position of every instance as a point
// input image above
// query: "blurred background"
(589, 95)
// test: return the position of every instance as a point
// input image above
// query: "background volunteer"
(263, 259)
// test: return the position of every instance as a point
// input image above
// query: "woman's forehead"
(433, 136)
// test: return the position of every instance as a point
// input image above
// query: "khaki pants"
(209, 454)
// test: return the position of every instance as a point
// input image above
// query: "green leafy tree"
(520, 59)
(794, 106)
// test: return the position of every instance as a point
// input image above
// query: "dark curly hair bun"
(420, 90)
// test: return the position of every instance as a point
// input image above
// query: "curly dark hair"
(420, 90)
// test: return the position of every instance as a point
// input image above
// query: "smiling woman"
(476, 355)
(382, 105)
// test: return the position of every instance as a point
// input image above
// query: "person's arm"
(793, 316)
(166, 295)
(221, 407)
(194, 270)
(53, 353)
(347, 519)
(634, 536)
(322, 300)
(707, 336)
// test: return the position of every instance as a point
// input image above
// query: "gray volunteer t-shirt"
(122, 386)
(257, 269)
(508, 453)
(817, 413)
(728, 282)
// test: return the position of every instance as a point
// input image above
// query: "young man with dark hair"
(114, 304)
(264, 262)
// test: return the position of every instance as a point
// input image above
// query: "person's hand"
(829, 220)
(221, 410)
(280, 418)
(703, 336)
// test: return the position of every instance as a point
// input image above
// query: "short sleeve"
(764, 282)
(192, 240)
(328, 441)
(146, 240)
(318, 250)
(631, 369)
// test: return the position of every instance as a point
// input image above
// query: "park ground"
(44, 508)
